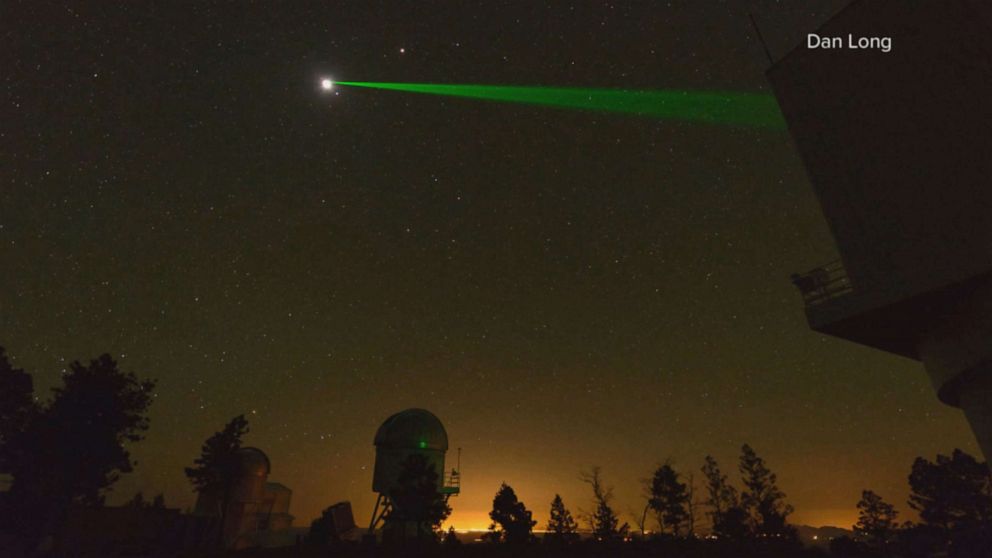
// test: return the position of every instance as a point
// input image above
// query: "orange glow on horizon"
(468, 521)
(475, 521)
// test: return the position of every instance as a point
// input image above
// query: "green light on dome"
(422, 445)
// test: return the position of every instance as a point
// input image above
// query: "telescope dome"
(253, 462)
(412, 429)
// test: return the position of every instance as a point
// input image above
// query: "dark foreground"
(536, 550)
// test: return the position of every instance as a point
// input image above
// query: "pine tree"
(450, 539)
(511, 520)
(17, 410)
(215, 470)
(953, 494)
(762, 499)
(669, 499)
(416, 497)
(562, 528)
(727, 518)
(876, 519)
(606, 525)
(603, 521)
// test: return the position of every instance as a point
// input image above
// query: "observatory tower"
(413, 432)
(896, 147)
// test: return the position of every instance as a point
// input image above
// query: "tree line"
(756, 511)
(952, 495)
(71, 448)
(953, 498)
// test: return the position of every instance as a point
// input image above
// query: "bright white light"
(326, 84)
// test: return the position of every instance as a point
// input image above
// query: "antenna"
(459, 462)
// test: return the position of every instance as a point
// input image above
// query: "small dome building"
(257, 510)
(413, 431)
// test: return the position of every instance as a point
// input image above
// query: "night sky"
(562, 288)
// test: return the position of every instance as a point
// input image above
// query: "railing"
(824, 283)
(452, 482)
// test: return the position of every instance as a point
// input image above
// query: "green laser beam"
(741, 109)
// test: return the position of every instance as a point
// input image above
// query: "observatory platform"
(895, 147)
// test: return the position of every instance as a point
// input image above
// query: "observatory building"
(258, 510)
(413, 432)
(895, 145)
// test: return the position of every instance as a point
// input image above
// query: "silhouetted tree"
(450, 539)
(215, 470)
(728, 519)
(762, 499)
(954, 496)
(603, 521)
(641, 519)
(511, 520)
(917, 541)
(416, 497)
(72, 449)
(952, 492)
(669, 499)
(17, 410)
(562, 528)
(138, 502)
(876, 520)
(691, 505)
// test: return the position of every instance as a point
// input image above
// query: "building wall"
(895, 144)
(255, 507)
(276, 506)
(277, 498)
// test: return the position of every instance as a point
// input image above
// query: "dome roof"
(253, 461)
(412, 429)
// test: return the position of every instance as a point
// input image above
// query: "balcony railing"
(824, 283)
(452, 482)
